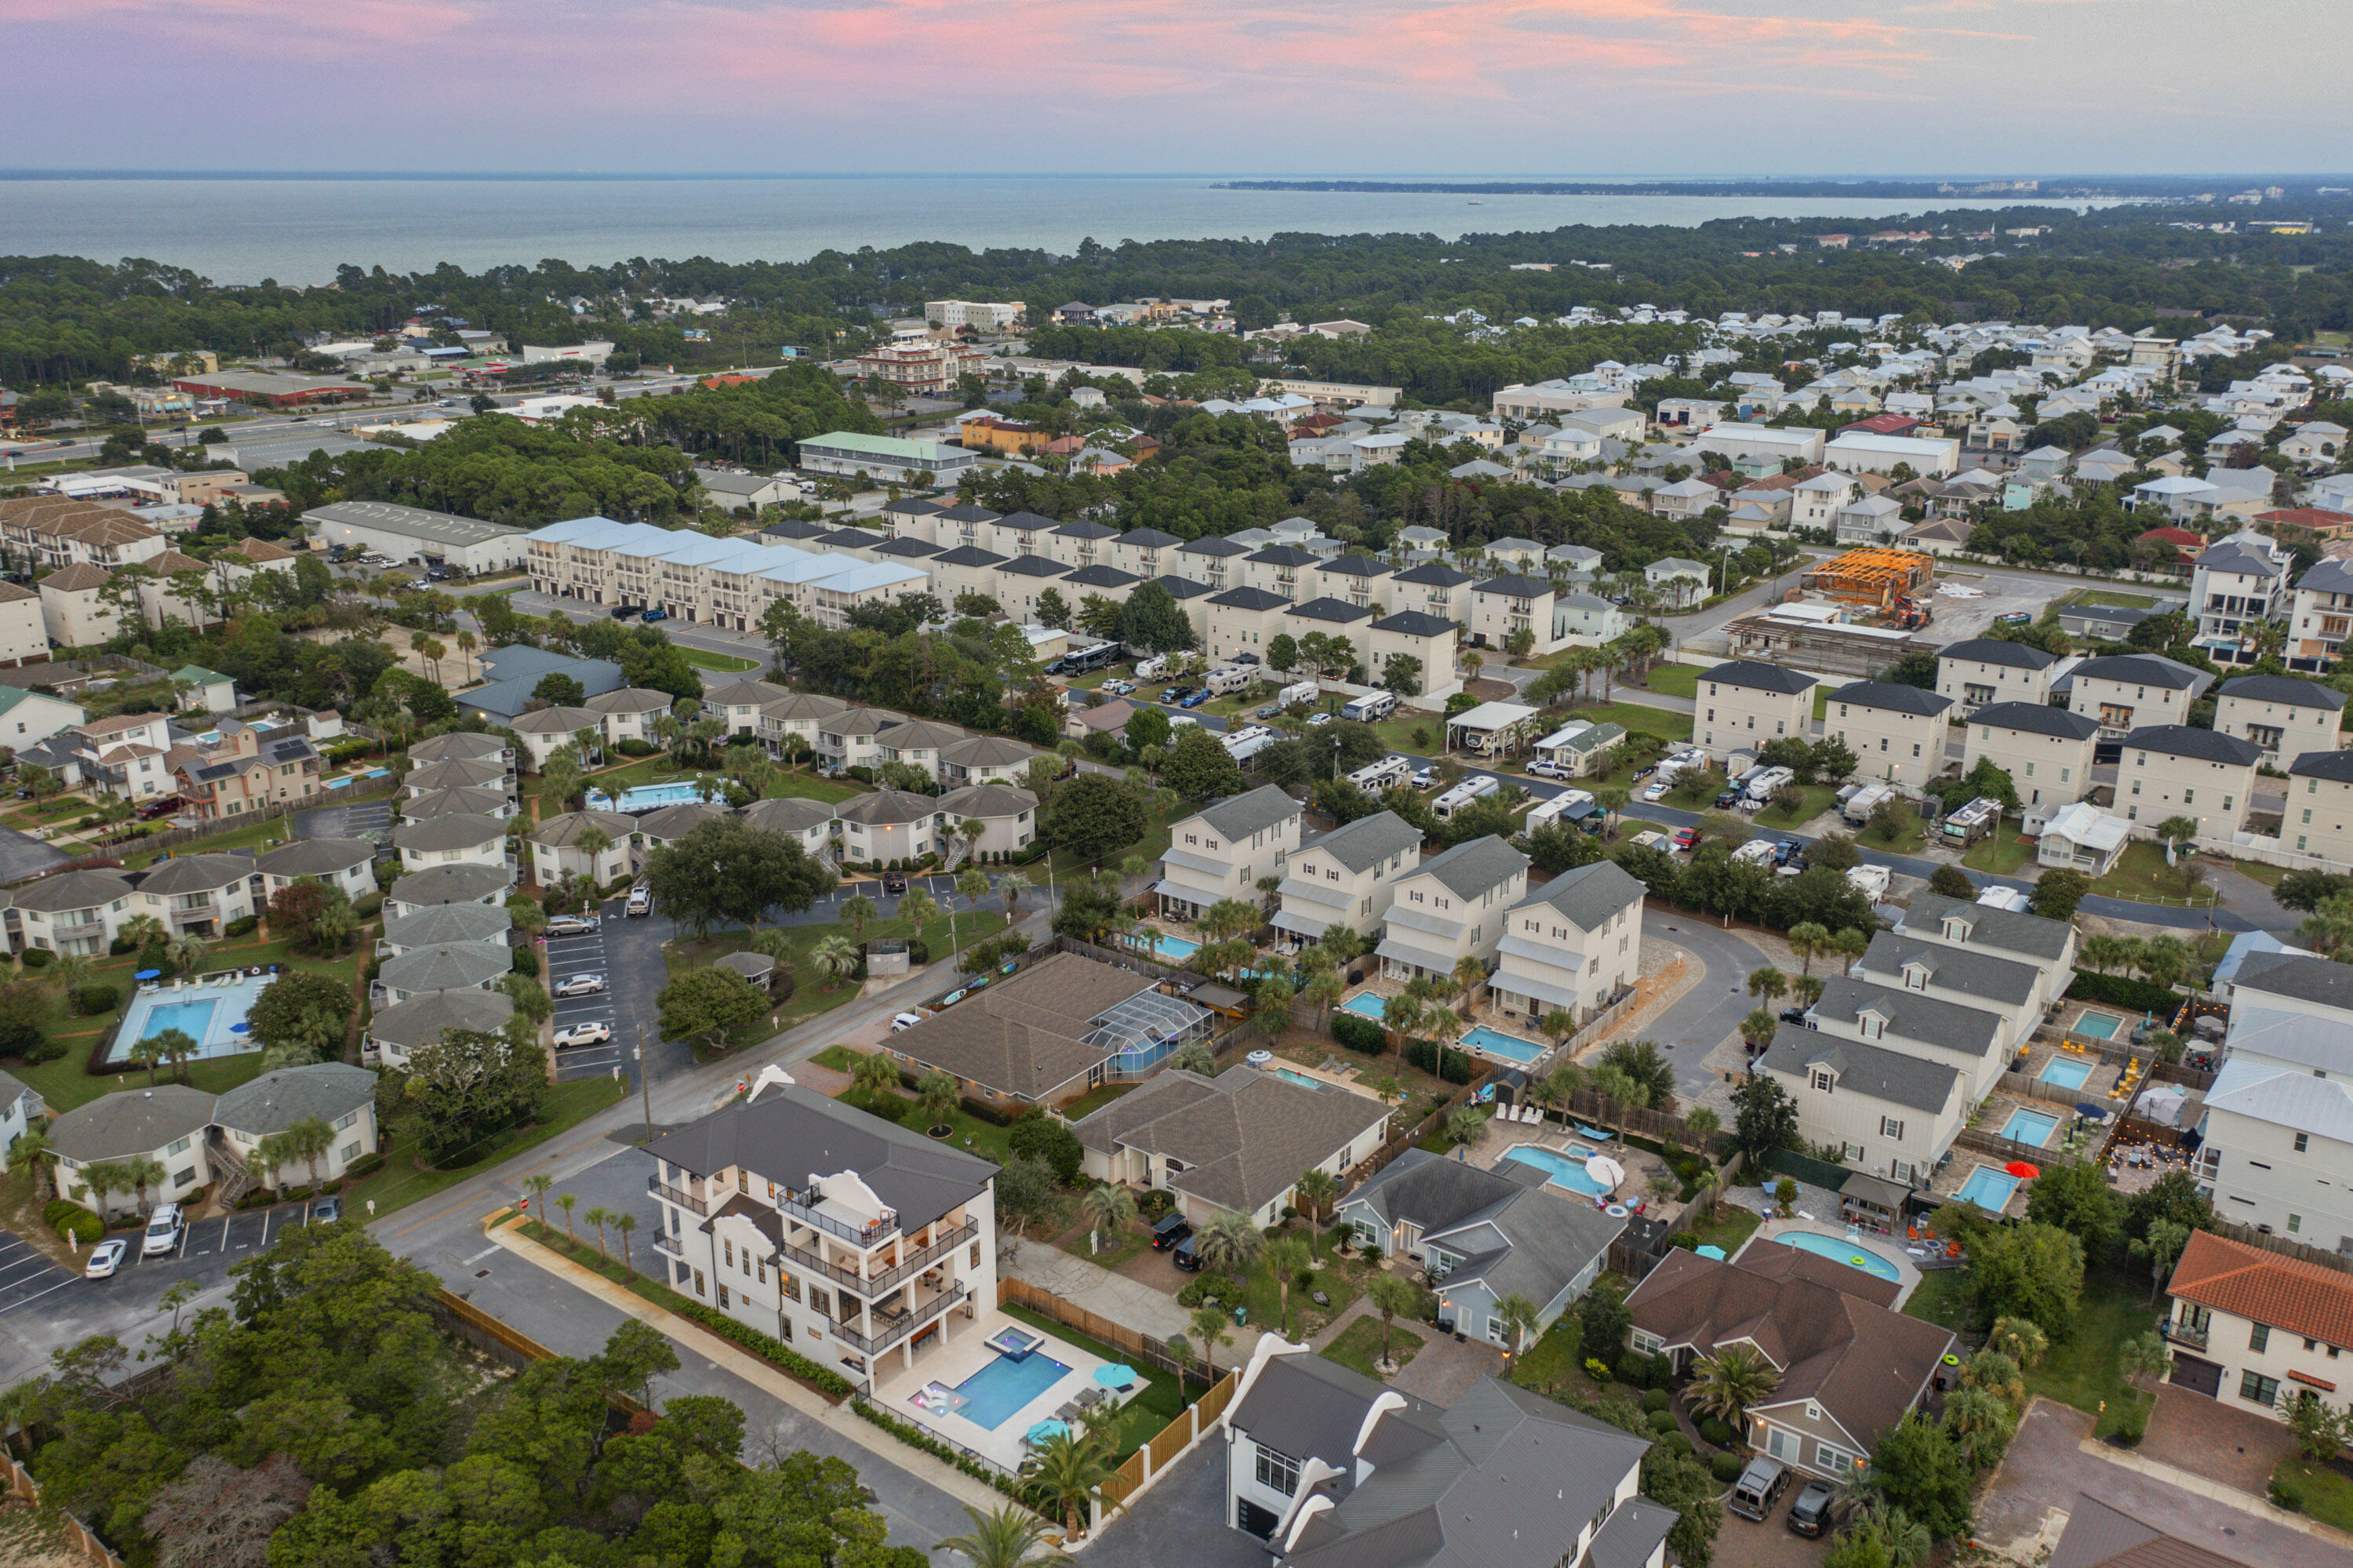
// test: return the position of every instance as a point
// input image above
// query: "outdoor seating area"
(997, 1394)
(1579, 1162)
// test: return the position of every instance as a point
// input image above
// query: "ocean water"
(300, 230)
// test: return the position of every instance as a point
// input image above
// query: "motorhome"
(1369, 707)
(1298, 693)
(1861, 804)
(1871, 879)
(1228, 681)
(1759, 789)
(1462, 794)
(1152, 669)
(1386, 774)
(1755, 852)
(1971, 822)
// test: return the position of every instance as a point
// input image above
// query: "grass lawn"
(1161, 1400)
(1911, 841)
(726, 664)
(2108, 596)
(1819, 797)
(2141, 873)
(1635, 718)
(1116, 1250)
(1094, 1099)
(2002, 855)
(2081, 1371)
(840, 1058)
(1358, 1348)
(260, 835)
(1070, 863)
(1737, 1226)
(399, 1182)
(1675, 679)
(2260, 870)
(2324, 1491)
(813, 991)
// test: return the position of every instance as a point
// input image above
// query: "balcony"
(802, 1206)
(684, 1200)
(71, 931)
(898, 1329)
(666, 1243)
(2181, 1333)
(882, 1283)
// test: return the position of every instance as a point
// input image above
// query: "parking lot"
(570, 956)
(629, 953)
(25, 1274)
(346, 822)
(208, 1248)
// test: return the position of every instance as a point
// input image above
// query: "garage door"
(2197, 1376)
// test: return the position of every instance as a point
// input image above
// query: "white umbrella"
(1605, 1171)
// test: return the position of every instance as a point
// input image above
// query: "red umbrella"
(2021, 1170)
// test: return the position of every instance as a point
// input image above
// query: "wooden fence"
(2007, 1149)
(2026, 1088)
(20, 1484)
(1659, 1126)
(1166, 1447)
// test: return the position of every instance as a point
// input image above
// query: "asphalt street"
(1700, 1019)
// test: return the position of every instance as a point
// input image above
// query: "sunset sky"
(1597, 87)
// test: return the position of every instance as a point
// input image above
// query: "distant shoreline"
(1860, 190)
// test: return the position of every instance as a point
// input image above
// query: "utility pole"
(645, 1088)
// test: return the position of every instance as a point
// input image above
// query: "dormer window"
(1874, 1027)
(1822, 1079)
(1915, 978)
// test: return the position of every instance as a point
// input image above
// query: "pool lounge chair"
(1594, 1132)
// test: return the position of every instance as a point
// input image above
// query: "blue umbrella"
(1115, 1375)
(1047, 1431)
(149, 974)
(2086, 1108)
(241, 1028)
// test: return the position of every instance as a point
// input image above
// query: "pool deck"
(1345, 1080)
(1501, 1137)
(1890, 1248)
(966, 1354)
(235, 991)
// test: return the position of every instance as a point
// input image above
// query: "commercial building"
(885, 459)
(271, 389)
(412, 533)
(953, 315)
(929, 369)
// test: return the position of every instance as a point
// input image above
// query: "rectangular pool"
(2029, 1126)
(210, 1017)
(1365, 1004)
(644, 797)
(1176, 949)
(2067, 1072)
(1298, 1077)
(996, 1390)
(1988, 1188)
(1563, 1171)
(1504, 1047)
(2099, 1025)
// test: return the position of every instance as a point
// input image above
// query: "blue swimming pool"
(1506, 1047)
(1365, 1004)
(1174, 949)
(644, 797)
(1565, 1171)
(1298, 1077)
(1988, 1188)
(209, 1017)
(1002, 1387)
(1846, 1252)
(2099, 1025)
(2067, 1072)
(2029, 1126)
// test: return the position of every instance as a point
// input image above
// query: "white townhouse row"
(693, 577)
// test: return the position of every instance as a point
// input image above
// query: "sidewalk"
(693, 1340)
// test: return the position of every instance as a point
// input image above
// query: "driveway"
(1123, 1299)
(1713, 1007)
(1179, 1522)
(2047, 1468)
(2210, 1438)
(23, 855)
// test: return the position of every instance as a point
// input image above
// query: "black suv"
(1169, 1232)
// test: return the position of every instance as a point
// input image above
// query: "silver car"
(580, 985)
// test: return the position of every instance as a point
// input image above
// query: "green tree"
(1391, 1295)
(301, 1017)
(1727, 1384)
(706, 1003)
(1229, 1243)
(2057, 892)
(1952, 881)
(1093, 816)
(1199, 766)
(467, 1086)
(2077, 1199)
(1920, 1470)
(2031, 1271)
(1764, 1116)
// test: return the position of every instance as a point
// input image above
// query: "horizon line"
(37, 173)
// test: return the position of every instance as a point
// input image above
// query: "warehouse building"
(884, 458)
(412, 533)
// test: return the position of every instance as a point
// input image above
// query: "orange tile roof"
(2304, 1299)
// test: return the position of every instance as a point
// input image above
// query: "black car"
(1811, 1514)
(1725, 799)
(622, 612)
(893, 883)
(1184, 1258)
(1785, 852)
(1169, 1232)
(1793, 1016)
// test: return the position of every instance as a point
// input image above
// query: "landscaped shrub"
(527, 962)
(29, 1045)
(1716, 1431)
(1663, 1422)
(1675, 1443)
(989, 1113)
(2122, 991)
(120, 945)
(1208, 1288)
(1358, 1034)
(1656, 1400)
(72, 1222)
(2127, 1424)
(1040, 1137)
(916, 1437)
(94, 999)
(1640, 1370)
(1687, 1240)
(886, 1105)
(632, 747)
(38, 958)
(243, 926)
(1726, 1467)
(824, 1379)
(1453, 1066)
(367, 1167)
(369, 906)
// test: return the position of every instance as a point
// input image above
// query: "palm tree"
(72, 972)
(972, 829)
(146, 1053)
(1110, 1208)
(467, 643)
(141, 929)
(858, 909)
(917, 909)
(1469, 972)
(1726, 1384)
(1520, 1316)
(1324, 989)
(624, 1221)
(1768, 982)
(565, 1201)
(874, 1074)
(2022, 1339)
(1810, 939)
(1391, 1294)
(26, 1153)
(310, 1137)
(1759, 1028)
(1981, 1423)
(142, 1171)
(187, 951)
(938, 1093)
(1229, 1243)
(1466, 1124)
(1285, 1259)
(1004, 1537)
(1070, 1475)
(539, 1182)
(834, 959)
(1212, 1328)
(1316, 1190)
(600, 1216)
(1401, 1015)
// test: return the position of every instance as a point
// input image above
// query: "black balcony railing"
(882, 1283)
(683, 1199)
(896, 1329)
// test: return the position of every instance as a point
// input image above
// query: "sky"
(1336, 86)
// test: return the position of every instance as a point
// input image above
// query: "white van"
(162, 1231)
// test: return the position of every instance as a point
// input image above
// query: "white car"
(162, 1231)
(905, 1022)
(642, 902)
(1657, 791)
(105, 1258)
(573, 926)
(1319, 718)
(580, 985)
(583, 1034)
(1423, 778)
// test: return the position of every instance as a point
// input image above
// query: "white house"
(1222, 851)
(1572, 946)
(2249, 1326)
(1450, 908)
(1347, 877)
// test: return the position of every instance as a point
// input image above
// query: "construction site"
(1850, 617)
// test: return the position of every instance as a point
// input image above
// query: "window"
(2259, 1337)
(1837, 1461)
(2303, 1142)
(697, 1282)
(2295, 1223)
(1890, 1128)
(2257, 1390)
(1278, 1471)
(180, 1147)
(1822, 1080)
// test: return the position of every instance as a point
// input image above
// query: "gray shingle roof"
(1244, 1136)
(1892, 695)
(1517, 584)
(1472, 868)
(1432, 574)
(2202, 745)
(570, 827)
(1587, 895)
(449, 923)
(1251, 599)
(1553, 1239)
(1969, 970)
(276, 1101)
(1910, 1016)
(1759, 676)
(2331, 764)
(422, 1020)
(315, 857)
(451, 885)
(2294, 974)
(2037, 718)
(1308, 1407)
(452, 832)
(449, 966)
(2141, 670)
(2284, 689)
(1415, 623)
(2329, 576)
(458, 744)
(71, 890)
(1864, 1068)
(1369, 841)
(2008, 931)
(133, 1121)
(1254, 813)
(196, 874)
(787, 814)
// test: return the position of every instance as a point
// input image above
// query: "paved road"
(1713, 1008)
